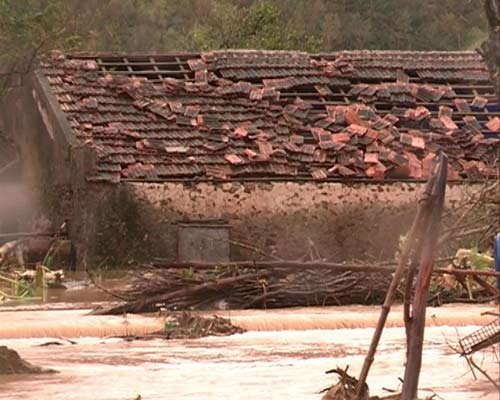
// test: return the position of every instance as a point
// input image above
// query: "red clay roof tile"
(340, 110)
(494, 125)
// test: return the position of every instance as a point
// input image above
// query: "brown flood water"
(284, 356)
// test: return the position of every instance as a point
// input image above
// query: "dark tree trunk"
(490, 48)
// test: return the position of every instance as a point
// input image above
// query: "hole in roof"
(168, 66)
(383, 107)
(112, 68)
(142, 67)
(485, 91)
(463, 90)
(412, 73)
(138, 59)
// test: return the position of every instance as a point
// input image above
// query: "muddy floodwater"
(283, 357)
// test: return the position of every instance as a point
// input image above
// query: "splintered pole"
(416, 323)
(414, 236)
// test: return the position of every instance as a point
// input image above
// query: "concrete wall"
(138, 221)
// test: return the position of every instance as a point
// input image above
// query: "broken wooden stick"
(411, 243)
(416, 322)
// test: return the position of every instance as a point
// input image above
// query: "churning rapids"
(283, 355)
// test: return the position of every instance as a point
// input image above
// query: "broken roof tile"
(319, 173)
(340, 138)
(371, 158)
(479, 102)
(417, 114)
(177, 149)
(472, 123)
(448, 124)
(427, 163)
(494, 125)
(445, 111)
(357, 130)
(308, 149)
(265, 148)
(462, 106)
(233, 159)
(241, 101)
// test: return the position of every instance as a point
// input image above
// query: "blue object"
(496, 253)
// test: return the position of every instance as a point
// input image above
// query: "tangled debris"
(12, 363)
(345, 389)
(186, 325)
(241, 287)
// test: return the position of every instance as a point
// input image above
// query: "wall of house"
(41, 161)
(134, 222)
(52, 161)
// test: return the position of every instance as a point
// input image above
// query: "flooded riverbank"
(254, 365)
(283, 356)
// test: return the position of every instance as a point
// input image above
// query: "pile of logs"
(247, 287)
(273, 284)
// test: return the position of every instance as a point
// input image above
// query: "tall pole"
(414, 237)
(416, 323)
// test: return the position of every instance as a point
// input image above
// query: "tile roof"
(279, 115)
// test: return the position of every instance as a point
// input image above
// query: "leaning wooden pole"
(411, 243)
(416, 322)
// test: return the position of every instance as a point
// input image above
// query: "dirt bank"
(12, 363)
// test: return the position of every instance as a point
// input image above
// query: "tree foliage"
(31, 27)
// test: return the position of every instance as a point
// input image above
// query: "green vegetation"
(14, 286)
(29, 28)
(168, 25)
(170, 326)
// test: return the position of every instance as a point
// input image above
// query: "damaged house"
(227, 154)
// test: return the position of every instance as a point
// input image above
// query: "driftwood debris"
(237, 288)
(187, 325)
(345, 389)
(258, 285)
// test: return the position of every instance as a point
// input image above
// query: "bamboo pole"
(410, 244)
(416, 323)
